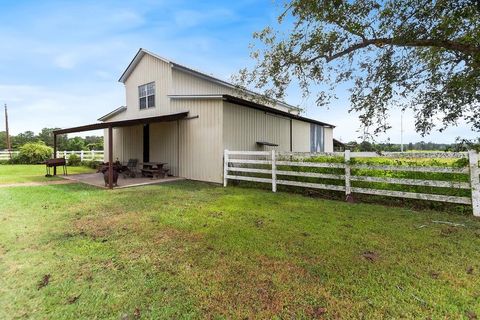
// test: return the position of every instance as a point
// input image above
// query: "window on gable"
(317, 138)
(146, 95)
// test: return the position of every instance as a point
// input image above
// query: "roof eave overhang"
(124, 123)
(262, 107)
(112, 113)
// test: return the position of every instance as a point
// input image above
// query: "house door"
(146, 143)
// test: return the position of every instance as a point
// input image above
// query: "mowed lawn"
(21, 173)
(190, 250)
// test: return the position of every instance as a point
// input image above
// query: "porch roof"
(124, 123)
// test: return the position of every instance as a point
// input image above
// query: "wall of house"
(127, 143)
(200, 148)
(300, 136)
(328, 139)
(185, 83)
(164, 144)
(243, 127)
(149, 69)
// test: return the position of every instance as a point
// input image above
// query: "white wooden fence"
(7, 155)
(239, 164)
(84, 155)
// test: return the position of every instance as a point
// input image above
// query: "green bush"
(91, 164)
(32, 153)
(73, 160)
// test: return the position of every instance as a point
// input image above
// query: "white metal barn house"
(203, 117)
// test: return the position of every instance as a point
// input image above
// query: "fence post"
(81, 155)
(274, 172)
(225, 167)
(474, 181)
(348, 188)
(93, 155)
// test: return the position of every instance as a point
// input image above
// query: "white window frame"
(145, 91)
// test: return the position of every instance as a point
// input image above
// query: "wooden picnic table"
(154, 169)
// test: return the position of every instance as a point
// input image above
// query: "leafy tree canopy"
(418, 54)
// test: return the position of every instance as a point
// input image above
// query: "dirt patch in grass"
(264, 288)
(104, 226)
(44, 282)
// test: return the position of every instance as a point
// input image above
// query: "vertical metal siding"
(164, 144)
(200, 140)
(243, 127)
(300, 136)
(328, 139)
(127, 143)
(184, 83)
(148, 70)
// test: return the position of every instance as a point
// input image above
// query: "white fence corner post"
(274, 172)
(348, 188)
(81, 155)
(225, 167)
(474, 181)
(93, 155)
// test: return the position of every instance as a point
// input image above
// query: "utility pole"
(9, 146)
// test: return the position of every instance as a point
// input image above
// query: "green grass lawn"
(194, 250)
(22, 173)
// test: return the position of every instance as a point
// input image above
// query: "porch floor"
(96, 179)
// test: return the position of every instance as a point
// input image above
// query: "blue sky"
(60, 60)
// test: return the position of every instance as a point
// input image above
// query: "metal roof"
(112, 113)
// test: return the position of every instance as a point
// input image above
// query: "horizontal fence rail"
(7, 155)
(338, 171)
(93, 155)
(83, 155)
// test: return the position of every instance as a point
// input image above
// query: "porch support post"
(54, 152)
(110, 158)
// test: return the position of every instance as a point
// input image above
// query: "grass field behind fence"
(423, 204)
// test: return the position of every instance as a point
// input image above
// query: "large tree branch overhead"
(454, 46)
(438, 76)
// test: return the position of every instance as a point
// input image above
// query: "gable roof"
(142, 52)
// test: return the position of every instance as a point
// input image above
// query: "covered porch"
(141, 142)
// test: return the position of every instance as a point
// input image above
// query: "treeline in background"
(46, 136)
(459, 145)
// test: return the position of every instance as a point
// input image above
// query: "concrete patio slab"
(96, 179)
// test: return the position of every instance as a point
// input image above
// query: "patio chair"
(130, 170)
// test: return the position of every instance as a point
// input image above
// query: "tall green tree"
(3, 140)
(22, 138)
(417, 54)
(46, 135)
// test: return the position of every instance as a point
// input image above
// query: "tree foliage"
(46, 136)
(418, 54)
(34, 152)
